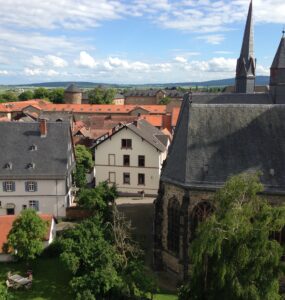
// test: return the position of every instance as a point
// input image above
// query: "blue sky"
(139, 41)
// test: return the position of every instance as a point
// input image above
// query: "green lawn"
(165, 297)
(50, 280)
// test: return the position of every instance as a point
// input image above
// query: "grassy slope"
(50, 280)
(165, 297)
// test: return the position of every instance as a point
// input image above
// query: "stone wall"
(188, 200)
(72, 98)
(165, 260)
(136, 100)
(141, 216)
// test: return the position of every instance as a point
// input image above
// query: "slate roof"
(73, 89)
(147, 132)
(247, 50)
(279, 59)
(152, 93)
(232, 98)
(213, 142)
(50, 159)
(150, 133)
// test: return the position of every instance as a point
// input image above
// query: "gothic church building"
(218, 136)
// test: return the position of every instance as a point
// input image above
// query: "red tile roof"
(175, 115)
(6, 223)
(79, 108)
(19, 106)
(154, 120)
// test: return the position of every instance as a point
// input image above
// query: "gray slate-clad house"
(217, 137)
(36, 162)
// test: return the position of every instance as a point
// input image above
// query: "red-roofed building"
(6, 223)
(174, 117)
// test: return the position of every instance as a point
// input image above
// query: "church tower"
(277, 74)
(245, 70)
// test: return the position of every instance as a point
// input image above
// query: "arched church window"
(173, 237)
(200, 212)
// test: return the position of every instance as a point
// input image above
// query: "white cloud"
(209, 16)
(52, 73)
(16, 40)
(180, 59)
(4, 72)
(186, 15)
(214, 39)
(223, 52)
(115, 62)
(56, 61)
(41, 72)
(261, 70)
(86, 60)
(51, 60)
(32, 72)
(59, 14)
(37, 61)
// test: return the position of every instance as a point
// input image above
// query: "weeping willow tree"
(234, 255)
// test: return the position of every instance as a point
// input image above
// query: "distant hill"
(260, 80)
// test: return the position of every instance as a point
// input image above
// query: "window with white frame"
(34, 204)
(31, 186)
(9, 186)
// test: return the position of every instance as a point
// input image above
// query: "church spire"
(277, 73)
(245, 71)
(247, 50)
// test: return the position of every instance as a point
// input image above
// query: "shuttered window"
(9, 186)
(31, 186)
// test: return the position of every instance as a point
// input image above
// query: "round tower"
(73, 95)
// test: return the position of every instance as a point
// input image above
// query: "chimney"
(43, 128)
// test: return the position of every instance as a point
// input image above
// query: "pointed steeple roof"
(247, 49)
(279, 59)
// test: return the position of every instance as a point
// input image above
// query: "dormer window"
(31, 165)
(9, 166)
(34, 147)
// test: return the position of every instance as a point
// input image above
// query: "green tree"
(56, 95)
(105, 263)
(233, 256)
(98, 199)
(26, 95)
(84, 163)
(79, 176)
(27, 235)
(164, 101)
(101, 95)
(91, 258)
(3, 293)
(41, 93)
(9, 96)
(84, 157)
(92, 199)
